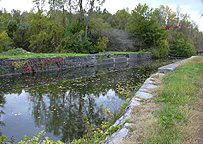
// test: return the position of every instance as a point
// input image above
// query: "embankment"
(145, 92)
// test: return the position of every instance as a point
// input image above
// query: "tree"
(182, 48)
(5, 40)
(120, 19)
(45, 33)
(87, 11)
(144, 24)
(101, 44)
(106, 16)
(97, 27)
(39, 4)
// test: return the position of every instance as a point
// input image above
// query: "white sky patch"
(22, 5)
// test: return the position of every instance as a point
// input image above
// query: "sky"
(192, 7)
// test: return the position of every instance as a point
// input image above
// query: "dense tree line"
(79, 26)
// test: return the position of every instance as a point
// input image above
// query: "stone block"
(120, 60)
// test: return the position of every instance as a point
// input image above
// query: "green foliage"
(144, 23)
(106, 16)
(113, 129)
(127, 120)
(170, 115)
(17, 65)
(101, 57)
(181, 48)
(34, 140)
(45, 33)
(74, 43)
(63, 29)
(125, 90)
(31, 55)
(11, 28)
(161, 50)
(120, 19)
(5, 41)
(121, 108)
(17, 51)
(101, 44)
(72, 40)
(97, 26)
(39, 42)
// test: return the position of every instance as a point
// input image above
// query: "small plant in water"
(33, 140)
(4, 140)
(125, 89)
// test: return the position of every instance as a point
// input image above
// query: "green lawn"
(120, 52)
(3, 55)
(178, 97)
(20, 53)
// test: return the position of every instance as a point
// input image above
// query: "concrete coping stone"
(143, 95)
(146, 87)
(173, 66)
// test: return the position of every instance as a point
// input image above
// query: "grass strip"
(178, 96)
(2, 55)
(20, 53)
(121, 52)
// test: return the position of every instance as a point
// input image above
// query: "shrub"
(17, 51)
(101, 44)
(161, 50)
(181, 48)
(74, 44)
(5, 41)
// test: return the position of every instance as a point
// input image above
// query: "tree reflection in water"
(2, 102)
(60, 106)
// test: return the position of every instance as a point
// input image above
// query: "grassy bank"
(20, 53)
(2, 55)
(174, 115)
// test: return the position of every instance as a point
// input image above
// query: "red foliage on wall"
(30, 67)
(57, 61)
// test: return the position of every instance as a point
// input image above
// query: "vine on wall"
(30, 67)
(57, 61)
(18, 64)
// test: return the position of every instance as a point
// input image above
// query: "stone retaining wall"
(18, 66)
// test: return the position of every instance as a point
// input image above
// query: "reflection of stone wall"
(17, 82)
(32, 65)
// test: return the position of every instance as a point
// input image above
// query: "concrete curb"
(142, 93)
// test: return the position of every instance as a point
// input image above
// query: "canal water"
(56, 101)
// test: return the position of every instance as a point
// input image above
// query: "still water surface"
(57, 101)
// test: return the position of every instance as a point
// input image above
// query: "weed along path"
(167, 108)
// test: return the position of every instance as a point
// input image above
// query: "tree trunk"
(81, 13)
(89, 17)
(64, 17)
